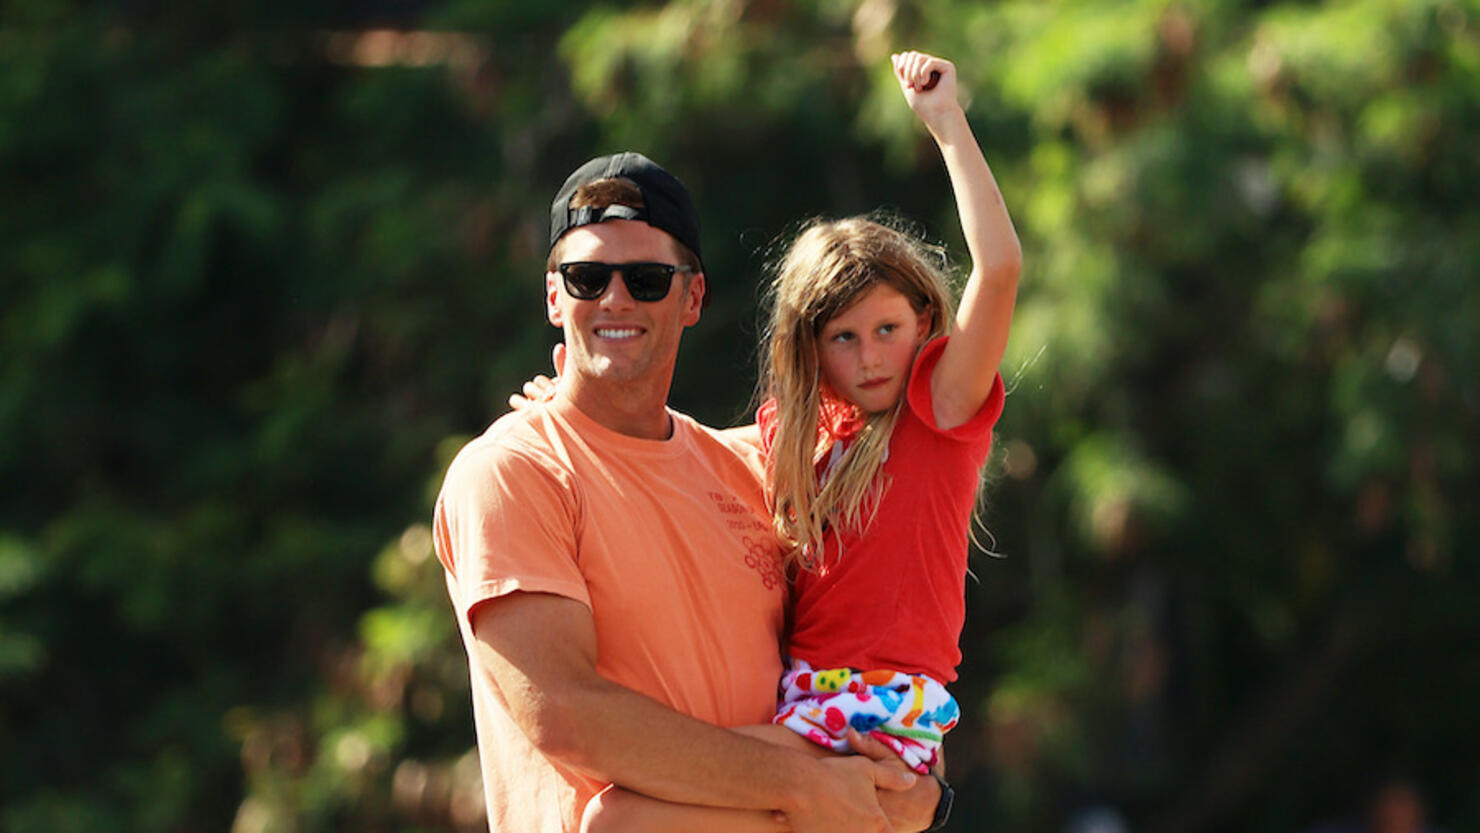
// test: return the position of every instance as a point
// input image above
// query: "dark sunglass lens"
(586, 280)
(648, 281)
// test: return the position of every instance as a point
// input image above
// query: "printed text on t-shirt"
(760, 549)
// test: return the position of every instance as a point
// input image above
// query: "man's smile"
(618, 333)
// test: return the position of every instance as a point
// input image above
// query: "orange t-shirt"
(667, 541)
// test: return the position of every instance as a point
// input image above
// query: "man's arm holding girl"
(540, 651)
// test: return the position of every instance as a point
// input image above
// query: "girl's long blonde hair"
(827, 268)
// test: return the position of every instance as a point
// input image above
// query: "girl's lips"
(874, 383)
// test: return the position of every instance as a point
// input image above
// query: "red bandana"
(838, 418)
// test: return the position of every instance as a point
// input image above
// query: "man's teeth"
(613, 332)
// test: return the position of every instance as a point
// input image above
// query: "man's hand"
(911, 809)
(846, 796)
(928, 84)
(541, 388)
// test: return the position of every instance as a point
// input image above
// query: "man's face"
(615, 338)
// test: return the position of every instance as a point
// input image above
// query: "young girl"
(875, 436)
(875, 431)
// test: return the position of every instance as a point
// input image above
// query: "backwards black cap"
(667, 203)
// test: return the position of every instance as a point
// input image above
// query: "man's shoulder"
(719, 445)
(519, 439)
(708, 437)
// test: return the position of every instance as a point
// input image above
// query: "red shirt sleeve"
(923, 405)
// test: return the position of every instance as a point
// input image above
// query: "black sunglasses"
(587, 280)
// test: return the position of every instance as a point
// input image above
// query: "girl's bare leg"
(616, 810)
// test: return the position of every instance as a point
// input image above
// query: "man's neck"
(634, 409)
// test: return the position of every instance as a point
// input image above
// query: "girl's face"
(866, 350)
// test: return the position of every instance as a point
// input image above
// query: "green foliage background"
(263, 269)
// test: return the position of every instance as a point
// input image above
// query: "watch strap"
(943, 806)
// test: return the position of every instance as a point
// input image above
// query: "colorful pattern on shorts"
(909, 713)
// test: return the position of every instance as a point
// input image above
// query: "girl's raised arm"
(963, 378)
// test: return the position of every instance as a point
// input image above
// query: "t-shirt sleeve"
(507, 522)
(921, 402)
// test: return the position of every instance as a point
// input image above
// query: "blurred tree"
(223, 378)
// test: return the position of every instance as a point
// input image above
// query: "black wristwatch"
(943, 806)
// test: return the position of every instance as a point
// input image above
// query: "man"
(611, 561)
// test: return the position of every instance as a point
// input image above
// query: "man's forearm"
(538, 652)
(615, 734)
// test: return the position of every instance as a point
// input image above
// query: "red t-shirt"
(896, 598)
